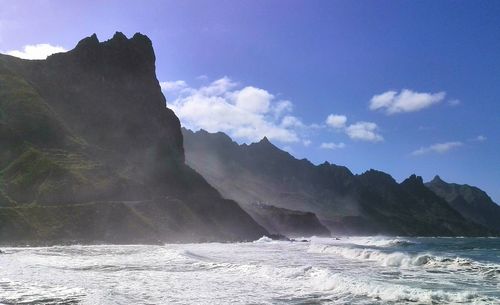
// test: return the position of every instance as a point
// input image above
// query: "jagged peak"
(88, 42)
(119, 36)
(265, 140)
(134, 54)
(437, 179)
(379, 175)
(138, 37)
(118, 39)
(218, 137)
(414, 179)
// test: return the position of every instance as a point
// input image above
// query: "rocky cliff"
(90, 152)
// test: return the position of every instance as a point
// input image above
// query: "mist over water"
(355, 270)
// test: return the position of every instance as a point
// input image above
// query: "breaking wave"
(347, 286)
(263, 239)
(406, 260)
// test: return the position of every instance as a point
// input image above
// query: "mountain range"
(367, 204)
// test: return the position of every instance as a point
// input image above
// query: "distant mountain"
(286, 222)
(473, 203)
(90, 153)
(370, 203)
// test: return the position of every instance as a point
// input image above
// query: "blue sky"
(411, 86)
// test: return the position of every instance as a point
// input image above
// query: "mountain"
(473, 203)
(280, 221)
(90, 153)
(370, 203)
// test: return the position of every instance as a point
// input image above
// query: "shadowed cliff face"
(91, 125)
(107, 94)
(473, 203)
(287, 222)
(370, 203)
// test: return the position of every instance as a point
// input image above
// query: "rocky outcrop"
(88, 133)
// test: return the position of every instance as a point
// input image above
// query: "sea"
(344, 270)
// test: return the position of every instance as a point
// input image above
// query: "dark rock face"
(89, 128)
(473, 203)
(371, 203)
(287, 222)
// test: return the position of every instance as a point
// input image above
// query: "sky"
(400, 86)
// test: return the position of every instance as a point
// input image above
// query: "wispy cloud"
(202, 77)
(439, 148)
(37, 51)
(331, 145)
(454, 103)
(173, 85)
(393, 102)
(479, 138)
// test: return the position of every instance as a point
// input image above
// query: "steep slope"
(89, 128)
(287, 222)
(473, 203)
(371, 203)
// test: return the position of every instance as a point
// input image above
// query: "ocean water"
(351, 270)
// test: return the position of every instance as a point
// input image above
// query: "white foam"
(385, 259)
(263, 272)
(22, 293)
(401, 259)
(263, 239)
(325, 280)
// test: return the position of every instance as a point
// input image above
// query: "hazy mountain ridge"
(87, 133)
(287, 222)
(470, 201)
(370, 203)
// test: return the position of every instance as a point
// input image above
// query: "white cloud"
(405, 101)
(332, 146)
(439, 148)
(173, 85)
(454, 103)
(202, 77)
(306, 142)
(291, 121)
(247, 114)
(364, 131)
(336, 121)
(282, 107)
(38, 51)
(253, 99)
(218, 87)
